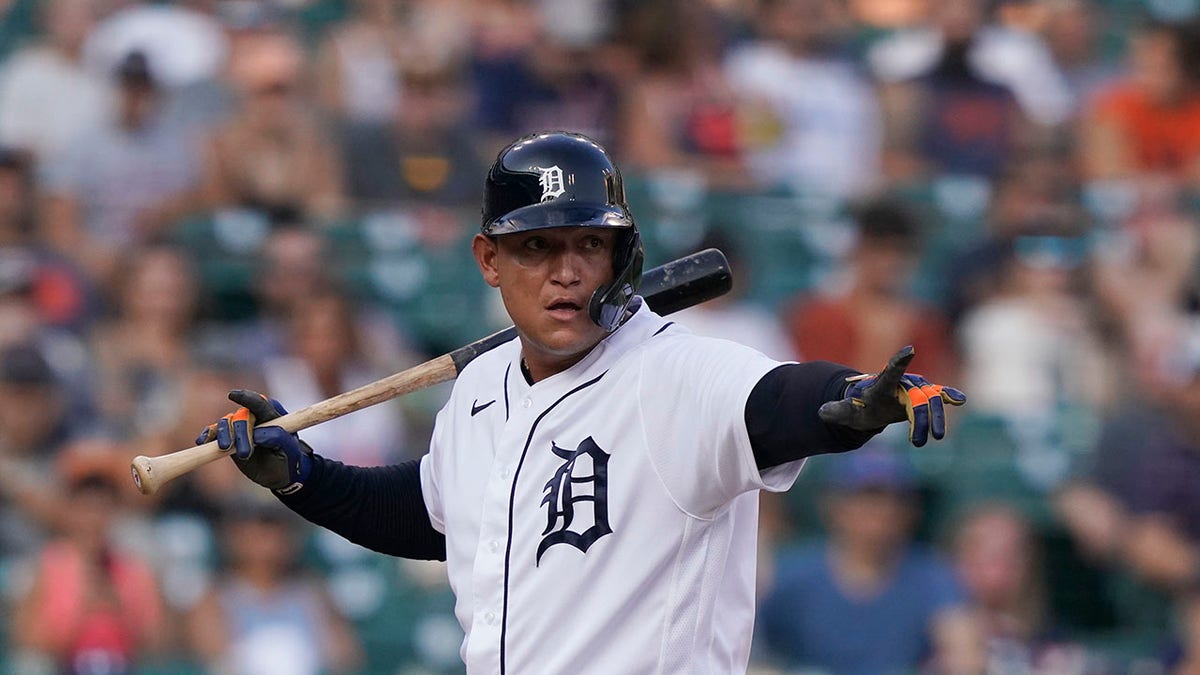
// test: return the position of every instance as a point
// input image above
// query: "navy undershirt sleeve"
(381, 508)
(781, 414)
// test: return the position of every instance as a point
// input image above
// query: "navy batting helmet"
(561, 179)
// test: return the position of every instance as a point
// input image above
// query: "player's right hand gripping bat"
(666, 289)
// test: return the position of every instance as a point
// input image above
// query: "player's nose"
(565, 268)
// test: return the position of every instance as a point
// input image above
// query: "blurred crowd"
(203, 195)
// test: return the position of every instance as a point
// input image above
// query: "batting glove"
(268, 455)
(872, 402)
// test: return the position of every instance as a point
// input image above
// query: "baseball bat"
(668, 288)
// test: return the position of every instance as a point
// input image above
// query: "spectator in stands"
(853, 321)
(272, 155)
(93, 608)
(1130, 508)
(124, 182)
(998, 561)
(204, 104)
(679, 112)
(60, 296)
(958, 92)
(1145, 274)
(1034, 347)
(264, 616)
(47, 97)
(1146, 443)
(1148, 125)
(297, 265)
(1037, 189)
(868, 600)
(325, 357)
(1161, 538)
(554, 78)
(143, 351)
(1072, 31)
(360, 62)
(34, 427)
(423, 156)
(810, 120)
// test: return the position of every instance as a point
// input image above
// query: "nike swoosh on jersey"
(476, 408)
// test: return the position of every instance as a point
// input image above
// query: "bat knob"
(143, 475)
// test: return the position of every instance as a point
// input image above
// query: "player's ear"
(484, 249)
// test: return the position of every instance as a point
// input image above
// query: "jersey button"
(493, 546)
(526, 403)
(504, 473)
(490, 618)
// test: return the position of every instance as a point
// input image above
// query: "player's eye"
(537, 244)
(593, 243)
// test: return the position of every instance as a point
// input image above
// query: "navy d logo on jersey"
(575, 483)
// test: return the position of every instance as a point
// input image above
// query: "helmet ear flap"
(608, 304)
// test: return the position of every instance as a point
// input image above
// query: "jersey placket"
(491, 554)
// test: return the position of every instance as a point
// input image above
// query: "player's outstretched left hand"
(875, 401)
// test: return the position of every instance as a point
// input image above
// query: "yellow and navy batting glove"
(872, 402)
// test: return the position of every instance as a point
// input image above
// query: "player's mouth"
(564, 309)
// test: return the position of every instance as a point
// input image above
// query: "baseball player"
(592, 485)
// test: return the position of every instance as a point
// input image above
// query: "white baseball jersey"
(603, 520)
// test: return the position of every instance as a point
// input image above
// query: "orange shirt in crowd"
(1156, 138)
(830, 329)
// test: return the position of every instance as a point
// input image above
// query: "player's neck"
(538, 363)
(537, 369)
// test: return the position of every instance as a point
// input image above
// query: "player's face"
(546, 278)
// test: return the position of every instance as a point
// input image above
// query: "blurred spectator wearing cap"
(809, 119)
(868, 600)
(869, 307)
(360, 62)
(47, 97)
(1148, 125)
(423, 156)
(265, 615)
(998, 560)
(93, 607)
(679, 113)
(34, 427)
(272, 155)
(123, 183)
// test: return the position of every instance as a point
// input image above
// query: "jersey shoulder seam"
(646, 437)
